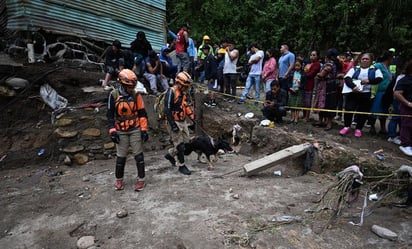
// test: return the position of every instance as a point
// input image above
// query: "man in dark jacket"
(275, 102)
(140, 48)
(113, 63)
(210, 66)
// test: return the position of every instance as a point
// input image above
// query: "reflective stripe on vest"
(126, 113)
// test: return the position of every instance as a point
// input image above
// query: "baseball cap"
(205, 47)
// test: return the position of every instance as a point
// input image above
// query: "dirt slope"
(47, 204)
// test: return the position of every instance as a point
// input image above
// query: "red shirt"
(180, 43)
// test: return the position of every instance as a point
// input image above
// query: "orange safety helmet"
(128, 77)
(184, 79)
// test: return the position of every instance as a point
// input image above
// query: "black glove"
(115, 137)
(175, 128)
(144, 135)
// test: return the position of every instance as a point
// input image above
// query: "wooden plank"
(275, 158)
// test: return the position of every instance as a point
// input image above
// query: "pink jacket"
(270, 71)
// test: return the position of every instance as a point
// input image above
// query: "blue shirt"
(284, 63)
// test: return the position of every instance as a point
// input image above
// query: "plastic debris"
(406, 168)
(380, 151)
(373, 197)
(52, 98)
(41, 152)
(380, 157)
(284, 219)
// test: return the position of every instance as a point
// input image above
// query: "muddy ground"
(46, 203)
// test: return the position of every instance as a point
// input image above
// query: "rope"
(309, 108)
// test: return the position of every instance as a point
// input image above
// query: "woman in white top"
(359, 82)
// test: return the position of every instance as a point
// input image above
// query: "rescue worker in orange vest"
(176, 110)
(127, 118)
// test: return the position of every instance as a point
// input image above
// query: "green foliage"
(366, 25)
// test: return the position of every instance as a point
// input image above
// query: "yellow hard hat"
(221, 51)
(392, 50)
(206, 37)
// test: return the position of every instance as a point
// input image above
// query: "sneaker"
(407, 150)
(358, 133)
(118, 185)
(171, 159)
(213, 103)
(184, 170)
(139, 186)
(344, 131)
(354, 123)
(367, 125)
(395, 140)
(248, 96)
(241, 101)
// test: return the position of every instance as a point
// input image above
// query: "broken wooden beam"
(275, 158)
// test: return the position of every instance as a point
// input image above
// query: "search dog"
(208, 146)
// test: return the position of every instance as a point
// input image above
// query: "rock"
(91, 132)
(86, 178)
(4, 91)
(94, 147)
(73, 149)
(85, 242)
(63, 122)
(109, 146)
(81, 158)
(122, 213)
(60, 133)
(67, 161)
(17, 83)
(236, 196)
(384, 232)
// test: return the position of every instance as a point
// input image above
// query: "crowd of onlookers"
(339, 85)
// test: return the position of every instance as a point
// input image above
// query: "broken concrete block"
(384, 232)
(85, 242)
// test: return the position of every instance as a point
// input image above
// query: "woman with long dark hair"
(311, 70)
(270, 71)
(326, 92)
(378, 92)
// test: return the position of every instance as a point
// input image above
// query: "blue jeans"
(267, 85)
(252, 79)
(202, 77)
(395, 120)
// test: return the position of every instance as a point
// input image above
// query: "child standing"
(296, 91)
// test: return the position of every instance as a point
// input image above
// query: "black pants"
(360, 102)
(273, 114)
(230, 80)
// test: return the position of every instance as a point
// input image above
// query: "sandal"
(328, 128)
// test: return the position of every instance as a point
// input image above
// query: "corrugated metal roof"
(94, 19)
